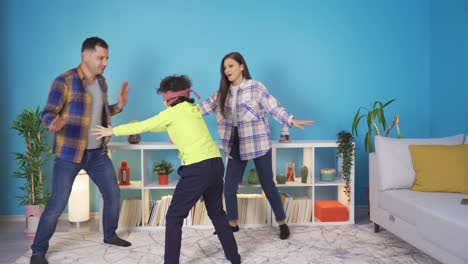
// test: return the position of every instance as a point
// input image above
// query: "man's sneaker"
(38, 259)
(234, 229)
(284, 231)
(118, 242)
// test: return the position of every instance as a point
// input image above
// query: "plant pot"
(281, 179)
(32, 214)
(304, 174)
(327, 174)
(134, 139)
(253, 177)
(163, 179)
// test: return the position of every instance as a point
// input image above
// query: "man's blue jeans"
(100, 169)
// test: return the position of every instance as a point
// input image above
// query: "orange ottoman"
(330, 211)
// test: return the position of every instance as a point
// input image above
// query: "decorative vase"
(327, 174)
(124, 170)
(304, 174)
(253, 177)
(284, 134)
(163, 179)
(32, 214)
(134, 139)
(290, 174)
(281, 178)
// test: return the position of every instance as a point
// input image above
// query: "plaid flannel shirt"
(253, 103)
(69, 99)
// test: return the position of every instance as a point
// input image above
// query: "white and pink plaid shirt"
(253, 103)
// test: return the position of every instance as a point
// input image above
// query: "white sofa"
(434, 222)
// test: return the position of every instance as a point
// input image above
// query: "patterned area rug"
(307, 244)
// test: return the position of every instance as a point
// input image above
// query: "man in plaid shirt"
(76, 103)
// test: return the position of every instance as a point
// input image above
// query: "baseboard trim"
(95, 215)
(361, 207)
(20, 218)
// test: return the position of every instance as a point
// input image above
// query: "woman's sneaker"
(234, 229)
(284, 231)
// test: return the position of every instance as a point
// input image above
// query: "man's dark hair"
(92, 42)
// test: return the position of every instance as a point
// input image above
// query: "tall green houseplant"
(29, 126)
(376, 123)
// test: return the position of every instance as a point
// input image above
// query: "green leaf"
(370, 118)
(356, 122)
(355, 132)
(368, 140)
(381, 118)
(389, 102)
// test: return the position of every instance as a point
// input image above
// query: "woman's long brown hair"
(224, 84)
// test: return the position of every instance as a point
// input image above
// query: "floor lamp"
(78, 203)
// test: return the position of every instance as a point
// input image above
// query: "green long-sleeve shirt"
(186, 127)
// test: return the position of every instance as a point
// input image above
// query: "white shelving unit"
(312, 189)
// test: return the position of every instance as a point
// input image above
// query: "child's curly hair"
(176, 83)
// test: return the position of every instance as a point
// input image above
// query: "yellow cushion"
(440, 168)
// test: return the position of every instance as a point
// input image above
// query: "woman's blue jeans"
(235, 170)
(100, 169)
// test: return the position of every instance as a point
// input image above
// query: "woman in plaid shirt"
(242, 106)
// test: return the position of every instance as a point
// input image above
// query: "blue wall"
(449, 67)
(322, 60)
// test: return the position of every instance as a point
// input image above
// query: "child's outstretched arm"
(157, 123)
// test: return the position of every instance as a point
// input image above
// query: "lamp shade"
(78, 203)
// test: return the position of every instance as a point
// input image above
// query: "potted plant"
(29, 126)
(375, 120)
(134, 139)
(163, 169)
(345, 153)
(253, 177)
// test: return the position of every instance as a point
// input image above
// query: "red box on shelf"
(330, 211)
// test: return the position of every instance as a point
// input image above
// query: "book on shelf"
(130, 213)
(158, 211)
(252, 209)
(298, 209)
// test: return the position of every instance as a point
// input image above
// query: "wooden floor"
(14, 243)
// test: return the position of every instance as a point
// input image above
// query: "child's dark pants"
(205, 179)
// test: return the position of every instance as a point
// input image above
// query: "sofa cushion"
(401, 203)
(438, 217)
(444, 221)
(393, 158)
(440, 168)
(466, 139)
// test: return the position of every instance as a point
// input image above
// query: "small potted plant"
(304, 174)
(163, 169)
(253, 177)
(345, 154)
